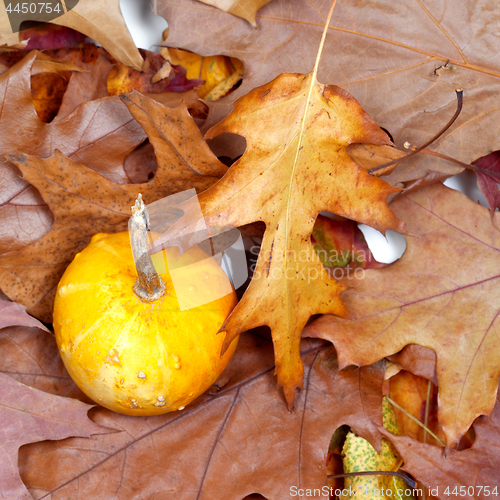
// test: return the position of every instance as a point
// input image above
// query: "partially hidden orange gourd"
(140, 355)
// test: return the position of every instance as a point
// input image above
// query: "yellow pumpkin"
(135, 356)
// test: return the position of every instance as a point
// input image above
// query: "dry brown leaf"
(243, 430)
(50, 77)
(369, 156)
(89, 66)
(100, 134)
(30, 356)
(246, 9)
(29, 415)
(89, 84)
(180, 149)
(296, 165)
(442, 294)
(418, 360)
(100, 20)
(401, 60)
(15, 314)
(83, 202)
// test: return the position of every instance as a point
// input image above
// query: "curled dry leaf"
(418, 360)
(244, 430)
(100, 20)
(84, 202)
(442, 294)
(29, 415)
(122, 79)
(295, 165)
(219, 73)
(402, 62)
(89, 66)
(246, 9)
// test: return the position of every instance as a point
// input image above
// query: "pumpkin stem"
(149, 286)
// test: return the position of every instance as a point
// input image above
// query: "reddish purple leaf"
(489, 177)
(340, 243)
(51, 36)
(179, 81)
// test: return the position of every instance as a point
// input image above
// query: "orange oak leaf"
(29, 415)
(83, 202)
(243, 429)
(442, 294)
(296, 165)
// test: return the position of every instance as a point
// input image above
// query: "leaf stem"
(460, 94)
(405, 478)
(410, 416)
(469, 166)
(149, 285)
(426, 416)
(323, 37)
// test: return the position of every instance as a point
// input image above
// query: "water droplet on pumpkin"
(181, 408)
(206, 276)
(122, 380)
(177, 366)
(63, 348)
(141, 375)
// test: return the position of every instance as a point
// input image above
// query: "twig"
(460, 94)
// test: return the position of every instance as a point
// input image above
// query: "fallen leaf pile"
(325, 330)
